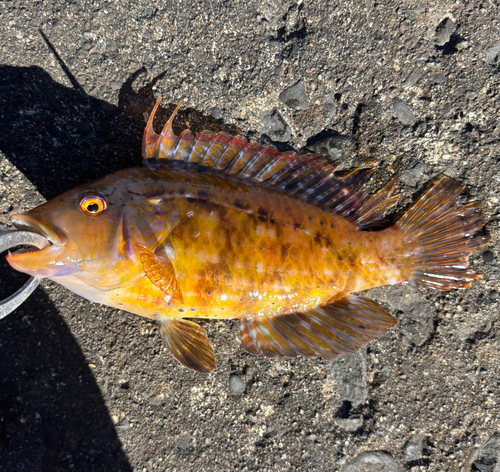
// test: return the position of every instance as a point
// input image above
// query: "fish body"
(237, 250)
(216, 227)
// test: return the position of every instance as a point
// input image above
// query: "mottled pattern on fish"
(239, 250)
(216, 227)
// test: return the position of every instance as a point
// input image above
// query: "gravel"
(488, 459)
(444, 31)
(412, 88)
(414, 450)
(493, 55)
(236, 385)
(373, 461)
(295, 96)
(275, 126)
(404, 113)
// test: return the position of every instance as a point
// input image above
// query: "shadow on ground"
(53, 416)
(59, 137)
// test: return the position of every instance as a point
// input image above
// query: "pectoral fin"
(326, 331)
(160, 270)
(188, 343)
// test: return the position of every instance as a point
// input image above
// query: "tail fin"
(440, 236)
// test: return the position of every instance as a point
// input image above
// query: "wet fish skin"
(216, 227)
(234, 247)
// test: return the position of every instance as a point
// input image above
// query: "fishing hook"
(10, 240)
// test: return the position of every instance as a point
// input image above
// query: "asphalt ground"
(412, 87)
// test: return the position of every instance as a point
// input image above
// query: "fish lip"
(28, 223)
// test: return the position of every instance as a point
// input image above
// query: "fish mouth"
(36, 262)
(28, 223)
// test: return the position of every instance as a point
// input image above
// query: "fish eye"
(93, 206)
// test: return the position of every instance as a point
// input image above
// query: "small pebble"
(275, 126)
(371, 461)
(444, 31)
(404, 113)
(158, 399)
(124, 424)
(216, 113)
(415, 75)
(443, 446)
(439, 79)
(488, 256)
(184, 441)
(413, 176)
(329, 109)
(236, 384)
(328, 144)
(295, 96)
(488, 458)
(414, 447)
(493, 55)
(318, 456)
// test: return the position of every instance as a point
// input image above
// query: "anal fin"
(160, 270)
(326, 331)
(188, 343)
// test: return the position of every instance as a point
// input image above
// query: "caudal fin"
(440, 236)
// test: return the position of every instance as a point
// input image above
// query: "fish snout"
(29, 223)
(55, 259)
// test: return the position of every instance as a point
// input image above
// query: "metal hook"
(9, 240)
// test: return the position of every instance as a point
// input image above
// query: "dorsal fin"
(307, 177)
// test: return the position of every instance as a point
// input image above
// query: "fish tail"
(440, 235)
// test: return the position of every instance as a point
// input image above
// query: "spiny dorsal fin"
(326, 331)
(188, 343)
(307, 177)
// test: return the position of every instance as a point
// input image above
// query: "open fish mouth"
(28, 223)
(49, 261)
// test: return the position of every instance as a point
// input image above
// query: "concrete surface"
(410, 86)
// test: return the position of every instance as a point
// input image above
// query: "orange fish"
(214, 226)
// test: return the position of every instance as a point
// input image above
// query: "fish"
(216, 226)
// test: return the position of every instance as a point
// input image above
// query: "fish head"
(92, 232)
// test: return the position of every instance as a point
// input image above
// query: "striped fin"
(160, 271)
(325, 331)
(306, 177)
(440, 235)
(188, 343)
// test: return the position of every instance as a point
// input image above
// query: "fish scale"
(214, 226)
